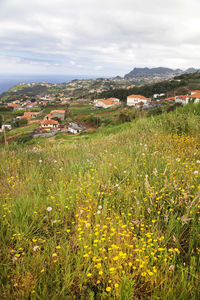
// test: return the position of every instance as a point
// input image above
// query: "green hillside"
(181, 84)
(110, 215)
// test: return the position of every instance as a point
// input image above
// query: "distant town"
(75, 106)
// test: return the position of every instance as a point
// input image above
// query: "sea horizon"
(9, 80)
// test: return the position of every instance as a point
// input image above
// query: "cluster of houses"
(51, 122)
(141, 101)
(22, 104)
(185, 99)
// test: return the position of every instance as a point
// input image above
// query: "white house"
(155, 96)
(133, 100)
(106, 103)
(6, 126)
(195, 92)
(49, 124)
(75, 128)
(195, 97)
(181, 99)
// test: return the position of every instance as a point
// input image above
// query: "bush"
(126, 115)
(154, 111)
(19, 112)
(175, 123)
(5, 108)
(21, 122)
(24, 138)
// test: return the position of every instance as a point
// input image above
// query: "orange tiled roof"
(195, 91)
(49, 122)
(29, 113)
(26, 117)
(59, 111)
(49, 115)
(183, 97)
(112, 98)
(197, 95)
(13, 105)
(139, 96)
(106, 101)
(74, 103)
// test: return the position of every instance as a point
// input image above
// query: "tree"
(1, 120)
(21, 122)
(57, 119)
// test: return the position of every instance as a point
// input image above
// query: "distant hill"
(179, 85)
(161, 71)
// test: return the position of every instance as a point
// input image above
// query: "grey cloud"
(106, 36)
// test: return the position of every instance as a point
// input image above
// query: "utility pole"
(4, 131)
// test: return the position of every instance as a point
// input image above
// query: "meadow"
(112, 215)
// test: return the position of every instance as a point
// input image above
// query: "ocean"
(8, 81)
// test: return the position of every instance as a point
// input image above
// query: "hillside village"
(58, 119)
(46, 114)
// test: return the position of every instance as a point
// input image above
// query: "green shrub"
(24, 138)
(175, 123)
(21, 122)
(126, 115)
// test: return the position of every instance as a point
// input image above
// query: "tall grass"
(112, 217)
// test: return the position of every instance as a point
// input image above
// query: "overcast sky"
(97, 37)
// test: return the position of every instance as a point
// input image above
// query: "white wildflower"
(98, 212)
(198, 161)
(49, 208)
(40, 161)
(99, 207)
(36, 248)
(14, 259)
(171, 268)
(196, 172)
(81, 211)
(87, 224)
(155, 172)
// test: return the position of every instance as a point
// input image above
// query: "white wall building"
(133, 100)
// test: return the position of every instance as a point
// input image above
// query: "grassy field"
(22, 130)
(77, 110)
(112, 215)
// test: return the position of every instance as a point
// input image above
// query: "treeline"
(188, 77)
(146, 90)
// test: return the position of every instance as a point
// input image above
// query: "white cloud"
(104, 36)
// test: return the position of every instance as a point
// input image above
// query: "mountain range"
(160, 71)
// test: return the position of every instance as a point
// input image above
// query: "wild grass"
(82, 110)
(115, 216)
